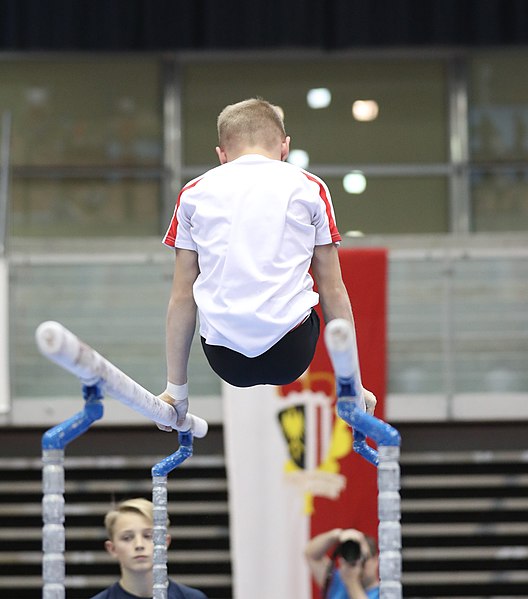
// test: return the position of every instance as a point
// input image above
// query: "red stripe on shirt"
(336, 237)
(170, 235)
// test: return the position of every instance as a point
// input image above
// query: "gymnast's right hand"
(180, 405)
(370, 401)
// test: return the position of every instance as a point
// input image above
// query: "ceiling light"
(299, 157)
(354, 182)
(365, 110)
(319, 97)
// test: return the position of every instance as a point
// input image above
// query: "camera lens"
(350, 551)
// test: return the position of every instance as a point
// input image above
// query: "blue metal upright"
(386, 459)
(53, 535)
(160, 515)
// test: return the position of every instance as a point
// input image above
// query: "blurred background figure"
(344, 564)
(130, 542)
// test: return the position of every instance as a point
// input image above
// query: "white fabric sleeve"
(183, 231)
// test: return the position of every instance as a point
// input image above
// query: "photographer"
(344, 564)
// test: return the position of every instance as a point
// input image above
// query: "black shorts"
(281, 364)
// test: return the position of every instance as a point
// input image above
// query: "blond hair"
(252, 122)
(141, 506)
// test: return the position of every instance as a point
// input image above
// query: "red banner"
(365, 276)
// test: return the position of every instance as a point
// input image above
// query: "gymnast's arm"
(181, 315)
(333, 295)
(181, 323)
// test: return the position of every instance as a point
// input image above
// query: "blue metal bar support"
(386, 459)
(160, 515)
(53, 535)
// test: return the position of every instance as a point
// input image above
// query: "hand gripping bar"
(61, 346)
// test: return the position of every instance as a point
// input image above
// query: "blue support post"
(386, 459)
(53, 535)
(172, 461)
(160, 516)
(59, 436)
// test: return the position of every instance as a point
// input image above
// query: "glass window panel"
(460, 322)
(498, 107)
(491, 325)
(392, 205)
(416, 327)
(500, 200)
(71, 208)
(117, 308)
(412, 98)
(85, 111)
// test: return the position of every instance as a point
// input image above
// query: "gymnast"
(246, 234)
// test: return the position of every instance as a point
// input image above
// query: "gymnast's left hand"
(180, 405)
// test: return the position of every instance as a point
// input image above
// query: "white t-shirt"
(254, 223)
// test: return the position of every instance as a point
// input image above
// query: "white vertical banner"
(5, 399)
(271, 472)
(269, 528)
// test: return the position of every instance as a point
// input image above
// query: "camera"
(349, 550)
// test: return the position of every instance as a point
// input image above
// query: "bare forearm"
(317, 547)
(181, 323)
(316, 553)
(335, 303)
(333, 295)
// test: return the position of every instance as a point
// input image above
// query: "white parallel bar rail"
(98, 375)
(341, 343)
(61, 346)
